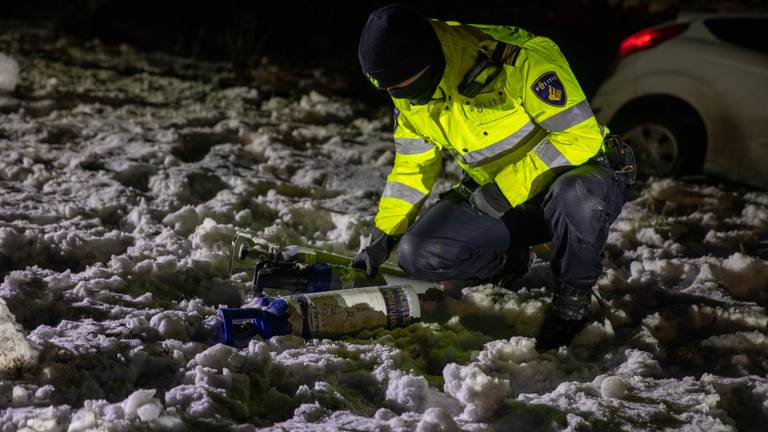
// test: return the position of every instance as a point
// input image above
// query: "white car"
(693, 94)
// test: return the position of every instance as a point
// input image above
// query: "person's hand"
(374, 255)
(489, 199)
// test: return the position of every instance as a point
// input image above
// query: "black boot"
(568, 315)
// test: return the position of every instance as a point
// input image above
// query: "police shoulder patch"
(550, 89)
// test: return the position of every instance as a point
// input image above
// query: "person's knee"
(573, 188)
(575, 193)
(425, 258)
(417, 256)
(408, 254)
(577, 204)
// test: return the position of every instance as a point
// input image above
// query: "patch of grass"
(230, 407)
(427, 349)
(518, 415)
(272, 406)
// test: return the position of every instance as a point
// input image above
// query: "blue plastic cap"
(278, 307)
(237, 326)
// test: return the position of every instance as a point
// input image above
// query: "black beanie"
(396, 44)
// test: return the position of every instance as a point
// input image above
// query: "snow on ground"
(124, 175)
(9, 73)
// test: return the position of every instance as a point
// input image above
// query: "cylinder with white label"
(337, 313)
(328, 314)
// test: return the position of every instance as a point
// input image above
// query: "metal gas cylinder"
(329, 314)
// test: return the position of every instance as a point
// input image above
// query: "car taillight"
(649, 38)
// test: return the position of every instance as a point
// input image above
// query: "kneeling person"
(508, 108)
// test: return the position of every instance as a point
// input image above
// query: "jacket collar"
(460, 45)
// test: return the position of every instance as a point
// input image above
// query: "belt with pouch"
(619, 157)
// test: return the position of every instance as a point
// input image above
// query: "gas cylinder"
(329, 314)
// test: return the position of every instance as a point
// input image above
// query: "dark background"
(312, 34)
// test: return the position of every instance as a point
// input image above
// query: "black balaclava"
(398, 43)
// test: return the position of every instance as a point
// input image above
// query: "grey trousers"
(453, 241)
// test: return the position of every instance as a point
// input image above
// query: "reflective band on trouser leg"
(498, 149)
(403, 192)
(550, 154)
(410, 146)
(568, 118)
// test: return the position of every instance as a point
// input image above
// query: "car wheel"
(664, 143)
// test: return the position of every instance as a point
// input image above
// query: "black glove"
(568, 315)
(489, 200)
(374, 255)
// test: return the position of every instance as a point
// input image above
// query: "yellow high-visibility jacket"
(526, 126)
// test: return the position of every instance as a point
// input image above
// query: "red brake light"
(649, 38)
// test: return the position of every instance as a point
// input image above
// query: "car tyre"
(665, 142)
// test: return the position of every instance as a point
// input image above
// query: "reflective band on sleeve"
(568, 118)
(498, 149)
(409, 146)
(550, 154)
(403, 192)
(602, 130)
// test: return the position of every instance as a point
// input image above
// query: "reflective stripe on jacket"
(530, 123)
